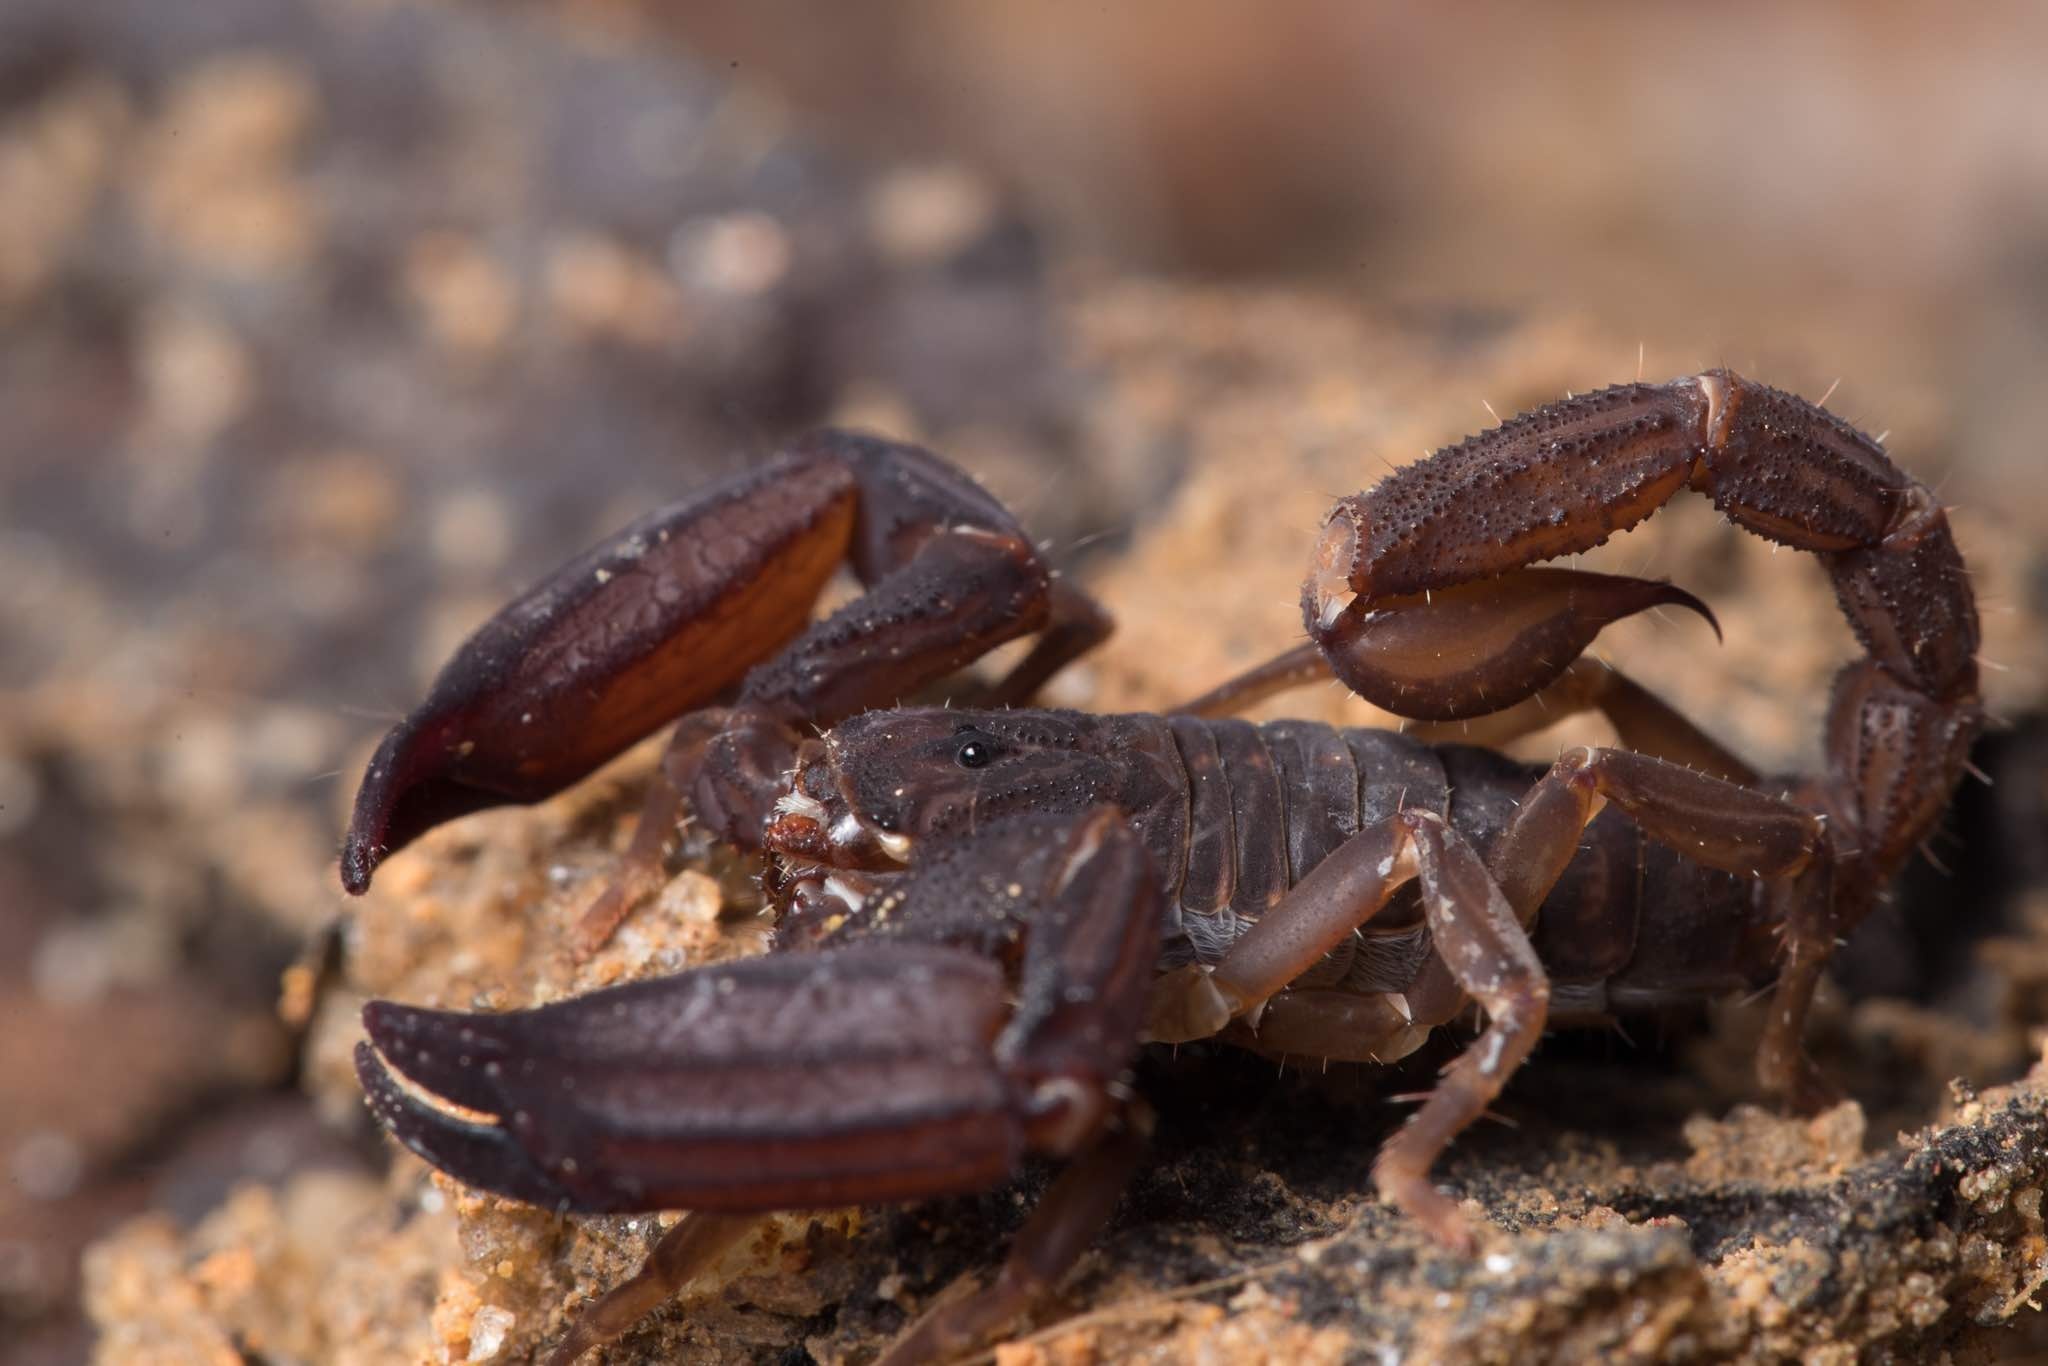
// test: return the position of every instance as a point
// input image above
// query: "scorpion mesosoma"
(987, 910)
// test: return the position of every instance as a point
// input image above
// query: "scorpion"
(984, 912)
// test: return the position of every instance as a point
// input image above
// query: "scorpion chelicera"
(984, 912)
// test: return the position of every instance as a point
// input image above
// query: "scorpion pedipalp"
(861, 1072)
(710, 600)
(784, 1082)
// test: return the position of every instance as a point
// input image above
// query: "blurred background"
(327, 324)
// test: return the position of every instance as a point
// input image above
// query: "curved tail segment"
(1436, 551)
(1436, 562)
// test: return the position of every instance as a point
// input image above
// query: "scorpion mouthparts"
(798, 836)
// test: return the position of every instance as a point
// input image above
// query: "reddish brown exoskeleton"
(984, 912)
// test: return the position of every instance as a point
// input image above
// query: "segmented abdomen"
(1629, 924)
(1267, 803)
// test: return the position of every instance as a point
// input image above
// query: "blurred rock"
(328, 326)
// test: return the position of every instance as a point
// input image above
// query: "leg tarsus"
(1060, 1229)
(687, 1249)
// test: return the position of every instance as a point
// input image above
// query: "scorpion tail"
(1462, 527)
(1439, 553)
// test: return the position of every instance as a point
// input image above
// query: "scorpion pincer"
(985, 912)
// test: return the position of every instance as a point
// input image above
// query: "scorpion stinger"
(1460, 528)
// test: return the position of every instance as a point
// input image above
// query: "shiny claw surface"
(788, 1082)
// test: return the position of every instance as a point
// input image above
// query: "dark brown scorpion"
(988, 910)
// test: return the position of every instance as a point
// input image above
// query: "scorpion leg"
(1477, 935)
(1710, 820)
(1290, 669)
(1069, 1216)
(1716, 823)
(1643, 721)
(711, 599)
(641, 870)
(1477, 913)
(692, 1246)
(864, 1073)
(1344, 891)
(1486, 950)
(1804, 908)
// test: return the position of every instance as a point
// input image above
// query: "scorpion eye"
(974, 752)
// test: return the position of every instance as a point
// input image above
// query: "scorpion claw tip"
(358, 862)
(478, 1154)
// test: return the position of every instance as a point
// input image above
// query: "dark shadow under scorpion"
(984, 912)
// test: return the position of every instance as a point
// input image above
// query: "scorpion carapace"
(983, 912)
